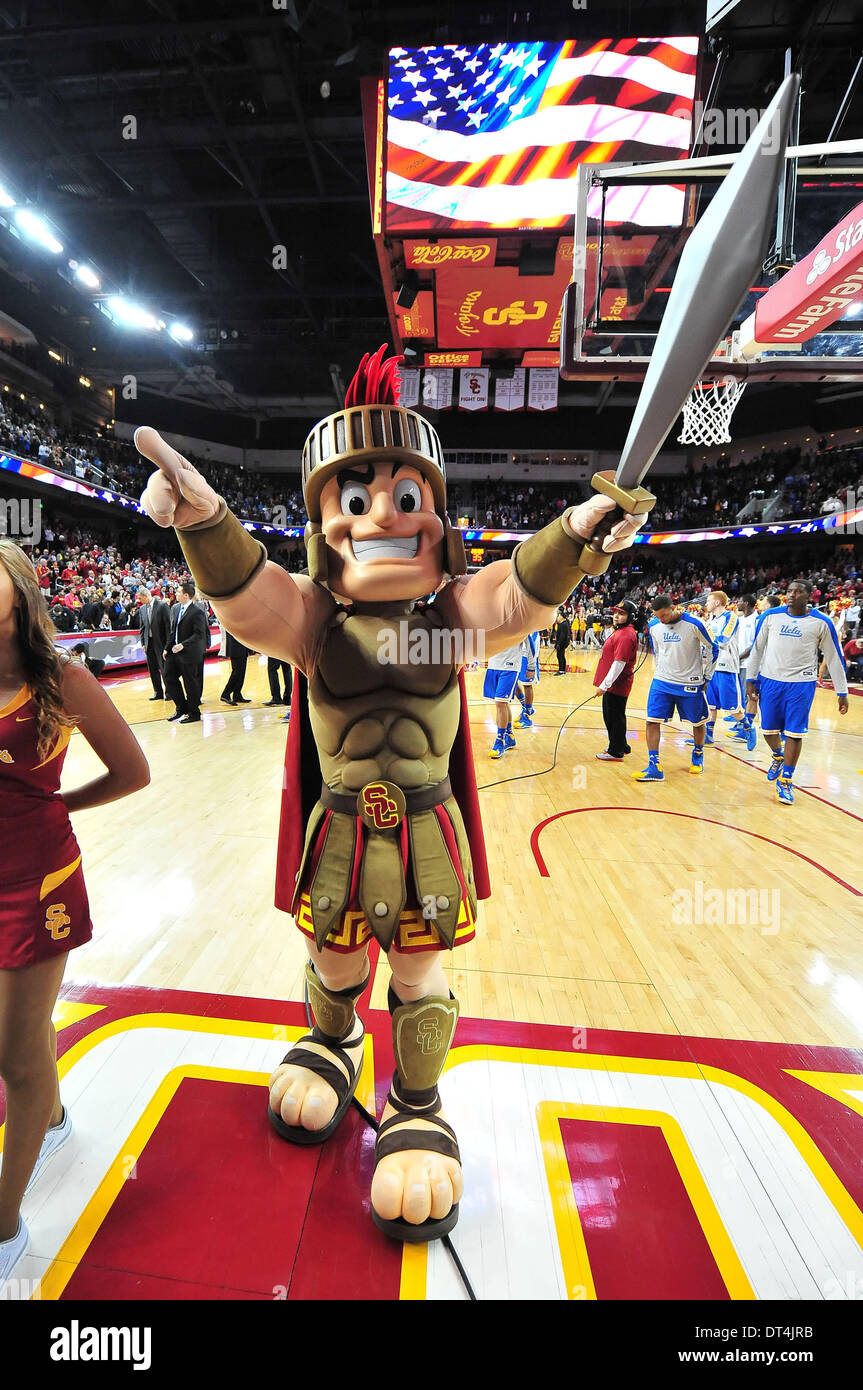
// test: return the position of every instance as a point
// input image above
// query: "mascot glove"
(177, 495)
(584, 519)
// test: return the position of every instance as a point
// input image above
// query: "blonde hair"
(41, 661)
(721, 594)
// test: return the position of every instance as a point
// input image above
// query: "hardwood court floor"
(699, 906)
(657, 1077)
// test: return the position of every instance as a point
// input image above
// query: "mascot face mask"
(382, 532)
(375, 492)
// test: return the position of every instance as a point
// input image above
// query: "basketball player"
(686, 656)
(789, 641)
(723, 690)
(501, 678)
(44, 912)
(528, 679)
(745, 731)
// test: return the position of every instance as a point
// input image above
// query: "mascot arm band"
(549, 565)
(221, 554)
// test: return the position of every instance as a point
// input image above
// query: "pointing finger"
(151, 444)
(159, 499)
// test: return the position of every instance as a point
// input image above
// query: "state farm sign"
(816, 291)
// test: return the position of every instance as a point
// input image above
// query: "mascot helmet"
(371, 426)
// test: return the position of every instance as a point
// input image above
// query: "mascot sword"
(721, 257)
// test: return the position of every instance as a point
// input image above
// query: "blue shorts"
(499, 685)
(689, 701)
(785, 706)
(723, 690)
(524, 677)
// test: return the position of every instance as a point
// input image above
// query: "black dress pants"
(156, 666)
(238, 674)
(186, 696)
(614, 715)
(273, 666)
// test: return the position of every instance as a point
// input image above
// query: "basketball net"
(707, 411)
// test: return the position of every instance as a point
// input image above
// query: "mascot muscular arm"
(392, 847)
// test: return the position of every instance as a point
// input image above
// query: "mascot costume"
(380, 834)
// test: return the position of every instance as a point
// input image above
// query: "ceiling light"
(84, 381)
(181, 333)
(88, 277)
(6, 199)
(132, 315)
(55, 355)
(38, 230)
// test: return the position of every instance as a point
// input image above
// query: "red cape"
(302, 785)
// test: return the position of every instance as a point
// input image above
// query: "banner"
(437, 388)
(473, 388)
(542, 391)
(452, 359)
(816, 291)
(409, 381)
(495, 307)
(119, 648)
(509, 391)
(430, 254)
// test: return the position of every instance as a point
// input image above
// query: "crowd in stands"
(116, 464)
(92, 582)
(809, 483)
(506, 506)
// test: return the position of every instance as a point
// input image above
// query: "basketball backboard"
(624, 267)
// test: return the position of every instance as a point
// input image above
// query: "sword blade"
(723, 254)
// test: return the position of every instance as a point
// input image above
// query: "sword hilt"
(636, 501)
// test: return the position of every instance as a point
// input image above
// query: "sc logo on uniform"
(381, 805)
(56, 921)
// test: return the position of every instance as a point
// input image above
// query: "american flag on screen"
(492, 136)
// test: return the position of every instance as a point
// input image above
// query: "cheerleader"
(44, 912)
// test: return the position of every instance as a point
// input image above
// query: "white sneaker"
(54, 1140)
(11, 1251)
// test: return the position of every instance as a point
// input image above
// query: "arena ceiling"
(248, 136)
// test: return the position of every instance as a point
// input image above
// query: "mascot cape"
(302, 786)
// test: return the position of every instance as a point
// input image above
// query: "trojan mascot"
(380, 834)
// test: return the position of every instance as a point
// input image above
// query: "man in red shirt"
(613, 676)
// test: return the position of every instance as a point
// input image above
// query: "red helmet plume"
(376, 380)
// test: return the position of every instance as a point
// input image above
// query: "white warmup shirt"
(790, 649)
(686, 653)
(723, 627)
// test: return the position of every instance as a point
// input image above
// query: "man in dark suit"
(238, 655)
(561, 636)
(155, 624)
(188, 638)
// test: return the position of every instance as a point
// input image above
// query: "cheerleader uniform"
(44, 909)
